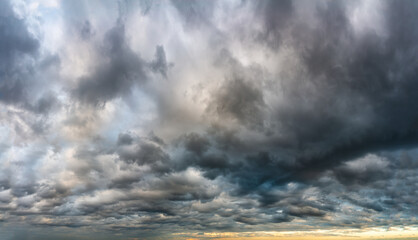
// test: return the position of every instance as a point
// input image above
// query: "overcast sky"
(187, 119)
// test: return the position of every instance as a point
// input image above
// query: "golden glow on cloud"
(342, 234)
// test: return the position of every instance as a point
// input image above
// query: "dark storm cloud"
(405, 160)
(160, 64)
(351, 95)
(240, 97)
(20, 62)
(125, 139)
(16, 41)
(143, 151)
(355, 77)
(361, 171)
(276, 15)
(16, 45)
(305, 211)
(197, 151)
(195, 143)
(240, 100)
(123, 68)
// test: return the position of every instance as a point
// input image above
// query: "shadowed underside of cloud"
(167, 117)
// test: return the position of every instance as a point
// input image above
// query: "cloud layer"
(142, 119)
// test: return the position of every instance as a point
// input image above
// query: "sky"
(229, 119)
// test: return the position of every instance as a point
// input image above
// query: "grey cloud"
(45, 103)
(143, 151)
(364, 75)
(367, 204)
(121, 70)
(405, 160)
(240, 100)
(276, 16)
(195, 143)
(15, 38)
(125, 139)
(116, 77)
(240, 97)
(22, 66)
(305, 211)
(349, 96)
(199, 152)
(360, 171)
(16, 44)
(195, 13)
(86, 30)
(160, 64)
(150, 195)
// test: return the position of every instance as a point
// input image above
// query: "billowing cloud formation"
(145, 119)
